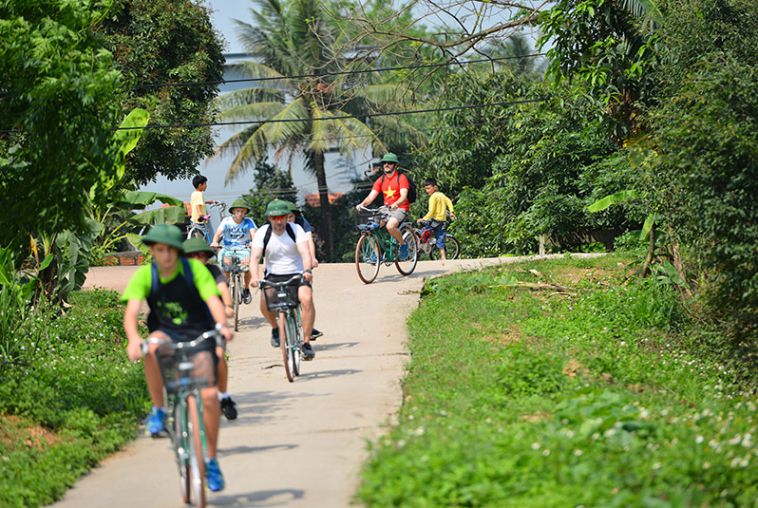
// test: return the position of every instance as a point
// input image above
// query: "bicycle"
(187, 367)
(376, 246)
(280, 299)
(428, 244)
(236, 285)
(204, 229)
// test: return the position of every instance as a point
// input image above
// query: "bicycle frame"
(290, 322)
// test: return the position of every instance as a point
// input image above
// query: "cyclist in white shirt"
(285, 247)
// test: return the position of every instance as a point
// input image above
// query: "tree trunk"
(327, 229)
(650, 253)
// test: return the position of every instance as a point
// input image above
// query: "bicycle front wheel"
(195, 233)
(180, 449)
(197, 464)
(452, 248)
(285, 338)
(298, 326)
(367, 258)
(236, 297)
(408, 264)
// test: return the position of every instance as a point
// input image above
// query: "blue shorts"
(243, 253)
(438, 229)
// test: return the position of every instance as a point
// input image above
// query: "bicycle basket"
(277, 298)
(186, 370)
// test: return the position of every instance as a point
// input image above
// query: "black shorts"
(210, 346)
(292, 290)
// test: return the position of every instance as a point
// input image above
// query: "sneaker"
(213, 475)
(156, 421)
(275, 337)
(246, 296)
(403, 252)
(315, 334)
(308, 353)
(228, 408)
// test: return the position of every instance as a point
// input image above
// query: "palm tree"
(309, 115)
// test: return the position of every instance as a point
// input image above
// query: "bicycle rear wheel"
(197, 465)
(367, 258)
(284, 339)
(452, 248)
(407, 266)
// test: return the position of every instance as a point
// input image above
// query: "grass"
(68, 401)
(597, 395)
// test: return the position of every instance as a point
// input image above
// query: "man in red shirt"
(394, 186)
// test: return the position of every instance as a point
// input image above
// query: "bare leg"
(153, 372)
(442, 254)
(268, 314)
(211, 417)
(223, 373)
(392, 229)
(305, 294)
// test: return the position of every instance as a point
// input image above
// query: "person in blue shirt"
(236, 233)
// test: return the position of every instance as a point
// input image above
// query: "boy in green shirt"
(180, 310)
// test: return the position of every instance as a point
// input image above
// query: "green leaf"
(647, 226)
(140, 199)
(46, 262)
(613, 199)
(167, 215)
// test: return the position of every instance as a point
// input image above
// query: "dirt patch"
(16, 431)
(540, 416)
(574, 368)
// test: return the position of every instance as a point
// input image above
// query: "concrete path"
(294, 444)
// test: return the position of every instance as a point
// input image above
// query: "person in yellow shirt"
(199, 216)
(439, 204)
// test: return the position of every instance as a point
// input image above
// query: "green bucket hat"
(277, 208)
(293, 207)
(390, 157)
(197, 244)
(239, 203)
(164, 233)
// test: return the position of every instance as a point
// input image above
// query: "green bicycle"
(187, 367)
(375, 245)
(281, 298)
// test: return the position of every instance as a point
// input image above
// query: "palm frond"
(248, 96)
(254, 111)
(277, 132)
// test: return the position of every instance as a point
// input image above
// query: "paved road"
(294, 444)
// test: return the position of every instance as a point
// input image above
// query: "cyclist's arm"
(219, 315)
(255, 260)
(305, 254)
(370, 198)
(432, 207)
(131, 316)
(217, 235)
(223, 288)
(403, 198)
(312, 249)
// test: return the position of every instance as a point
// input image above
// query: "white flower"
(699, 439)
(535, 446)
(578, 452)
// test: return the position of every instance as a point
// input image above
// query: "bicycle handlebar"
(267, 283)
(177, 346)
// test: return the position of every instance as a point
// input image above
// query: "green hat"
(293, 207)
(277, 208)
(390, 157)
(197, 244)
(239, 203)
(164, 233)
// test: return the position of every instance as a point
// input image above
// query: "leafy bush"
(72, 383)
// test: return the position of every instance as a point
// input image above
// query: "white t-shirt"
(236, 235)
(282, 256)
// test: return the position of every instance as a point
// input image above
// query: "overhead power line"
(336, 73)
(332, 118)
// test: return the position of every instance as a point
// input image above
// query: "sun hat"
(197, 244)
(390, 157)
(239, 203)
(277, 208)
(293, 207)
(164, 233)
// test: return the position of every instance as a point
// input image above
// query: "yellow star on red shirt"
(390, 192)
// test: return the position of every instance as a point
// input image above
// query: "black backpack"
(411, 185)
(267, 235)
